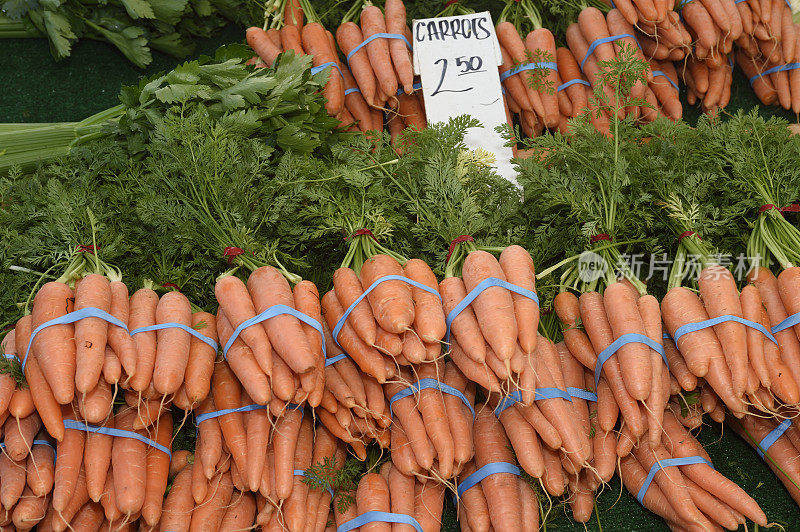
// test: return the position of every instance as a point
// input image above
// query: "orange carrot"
(243, 362)
(91, 334)
(518, 267)
(118, 339)
(494, 308)
(372, 22)
(69, 453)
(395, 14)
(501, 490)
(348, 36)
(238, 307)
(128, 459)
(541, 41)
(209, 514)
(315, 43)
(54, 347)
(143, 314)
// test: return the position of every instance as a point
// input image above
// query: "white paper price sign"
(457, 59)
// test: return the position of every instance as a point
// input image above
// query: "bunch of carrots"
(768, 49)
(259, 469)
(374, 85)
(390, 491)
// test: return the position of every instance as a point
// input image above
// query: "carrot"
(501, 490)
(478, 373)
(19, 434)
(406, 412)
(699, 19)
(554, 479)
(428, 503)
(157, 466)
(235, 301)
(519, 270)
(751, 310)
(79, 498)
(180, 460)
(200, 366)
(240, 514)
(464, 326)
(347, 287)
(315, 43)
(541, 41)
(128, 459)
(659, 394)
(268, 287)
(681, 443)
(30, 510)
(402, 454)
(242, 361)
(54, 346)
(788, 35)
(91, 334)
(209, 514)
(372, 22)
(494, 307)
(348, 36)
(770, 290)
(306, 300)
(112, 369)
(597, 327)
(633, 475)
(514, 84)
(569, 70)
(96, 405)
(557, 411)
(227, 395)
(634, 358)
(354, 101)
(143, 305)
(391, 301)
(40, 470)
(395, 15)
(574, 378)
(523, 439)
(295, 507)
(97, 459)
(13, 481)
(458, 415)
(432, 408)
(782, 383)
(89, 518)
(119, 340)
(69, 453)
(293, 14)
(509, 38)
(373, 495)
(285, 437)
(593, 26)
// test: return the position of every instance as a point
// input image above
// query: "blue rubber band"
(119, 433)
(540, 394)
(378, 36)
(317, 69)
(779, 68)
(670, 462)
(580, 393)
(333, 360)
(378, 517)
(351, 90)
(661, 73)
(528, 66)
(630, 338)
(72, 317)
(37, 442)
(172, 325)
(9, 356)
(791, 321)
(271, 312)
(343, 319)
(430, 384)
(483, 472)
(605, 40)
(571, 82)
(47, 444)
(301, 473)
(693, 327)
(483, 285)
(772, 437)
(217, 413)
(415, 86)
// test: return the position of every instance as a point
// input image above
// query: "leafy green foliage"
(133, 26)
(342, 479)
(277, 104)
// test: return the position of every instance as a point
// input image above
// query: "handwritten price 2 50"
(468, 65)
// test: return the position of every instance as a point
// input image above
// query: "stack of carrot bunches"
(768, 49)
(539, 413)
(375, 86)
